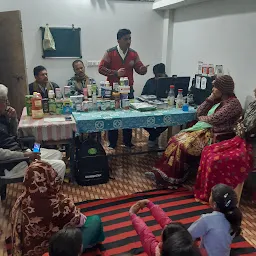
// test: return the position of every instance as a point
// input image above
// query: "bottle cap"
(180, 90)
(172, 86)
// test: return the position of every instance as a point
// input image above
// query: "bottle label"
(37, 113)
(38, 103)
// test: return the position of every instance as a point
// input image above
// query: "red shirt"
(112, 61)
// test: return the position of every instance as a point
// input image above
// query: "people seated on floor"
(10, 147)
(66, 242)
(218, 113)
(42, 85)
(42, 210)
(150, 88)
(217, 229)
(80, 80)
(229, 161)
(175, 238)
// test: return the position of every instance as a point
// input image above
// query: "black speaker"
(91, 163)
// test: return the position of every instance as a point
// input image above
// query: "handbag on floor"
(91, 163)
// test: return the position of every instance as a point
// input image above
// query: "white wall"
(217, 32)
(99, 21)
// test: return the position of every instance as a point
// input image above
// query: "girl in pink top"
(175, 241)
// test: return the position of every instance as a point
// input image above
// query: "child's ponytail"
(234, 216)
(226, 202)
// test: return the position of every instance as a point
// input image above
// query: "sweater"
(225, 116)
(112, 62)
(35, 87)
(214, 231)
(149, 242)
(8, 133)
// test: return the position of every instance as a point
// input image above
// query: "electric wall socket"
(93, 63)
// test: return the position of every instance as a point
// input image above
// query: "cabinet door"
(12, 59)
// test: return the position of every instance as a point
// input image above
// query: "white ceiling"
(173, 4)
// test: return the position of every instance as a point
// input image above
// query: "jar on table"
(85, 106)
(116, 97)
(126, 104)
(107, 104)
(112, 104)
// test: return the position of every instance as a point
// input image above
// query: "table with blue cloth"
(97, 121)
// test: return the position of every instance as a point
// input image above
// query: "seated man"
(41, 84)
(80, 80)
(150, 89)
(10, 148)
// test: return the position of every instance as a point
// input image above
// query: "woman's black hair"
(226, 201)
(66, 242)
(177, 241)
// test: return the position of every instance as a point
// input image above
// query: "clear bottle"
(180, 99)
(171, 96)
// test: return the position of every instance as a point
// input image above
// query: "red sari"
(228, 162)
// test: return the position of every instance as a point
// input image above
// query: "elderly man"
(41, 83)
(10, 148)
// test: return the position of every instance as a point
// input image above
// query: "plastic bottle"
(121, 81)
(180, 99)
(171, 96)
(89, 87)
(58, 93)
(51, 94)
(126, 81)
(37, 108)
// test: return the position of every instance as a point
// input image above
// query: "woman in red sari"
(42, 210)
(228, 162)
(214, 115)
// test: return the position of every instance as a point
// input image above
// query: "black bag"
(91, 163)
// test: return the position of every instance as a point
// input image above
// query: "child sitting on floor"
(218, 228)
(66, 242)
(176, 240)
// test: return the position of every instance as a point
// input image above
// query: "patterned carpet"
(128, 173)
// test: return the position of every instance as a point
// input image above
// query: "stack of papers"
(142, 106)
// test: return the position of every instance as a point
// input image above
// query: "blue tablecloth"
(87, 122)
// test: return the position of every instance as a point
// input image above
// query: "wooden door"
(12, 59)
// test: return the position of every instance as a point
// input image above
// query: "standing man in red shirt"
(117, 62)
